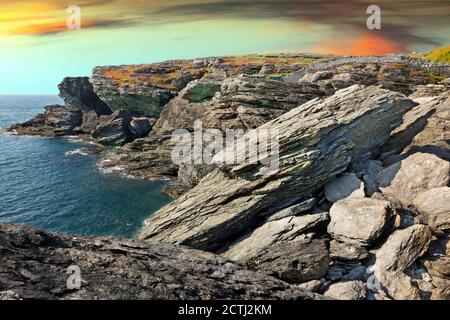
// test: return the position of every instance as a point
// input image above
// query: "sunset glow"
(35, 38)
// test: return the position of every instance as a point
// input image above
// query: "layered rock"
(284, 248)
(34, 265)
(424, 129)
(434, 204)
(403, 181)
(402, 248)
(114, 129)
(231, 200)
(55, 121)
(78, 93)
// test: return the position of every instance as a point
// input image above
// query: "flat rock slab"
(403, 181)
(274, 232)
(33, 265)
(402, 248)
(359, 220)
(434, 204)
(295, 261)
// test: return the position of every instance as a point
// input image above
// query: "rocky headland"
(358, 208)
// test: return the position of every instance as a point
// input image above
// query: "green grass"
(439, 55)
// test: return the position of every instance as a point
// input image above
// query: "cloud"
(365, 44)
(400, 19)
(59, 26)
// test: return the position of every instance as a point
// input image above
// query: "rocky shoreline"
(358, 208)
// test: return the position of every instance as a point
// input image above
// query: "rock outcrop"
(353, 123)
(350, 201)
(55, 121)
(403, 181)
(114, 129)
(434, 205)
(78, 93)
(33, 265)
(402, 248)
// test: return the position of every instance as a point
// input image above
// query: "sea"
(54, 184)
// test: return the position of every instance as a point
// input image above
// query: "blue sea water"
(45, 184)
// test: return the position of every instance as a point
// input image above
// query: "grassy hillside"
(439, 55)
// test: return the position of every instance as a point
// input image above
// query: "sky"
(37, 49)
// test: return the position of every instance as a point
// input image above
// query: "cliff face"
(358, 208)
(34, 264)
(78, 93)
(146, 89)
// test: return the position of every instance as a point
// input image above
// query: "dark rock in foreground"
(33, 265)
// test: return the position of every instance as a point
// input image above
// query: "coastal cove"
(55, 184)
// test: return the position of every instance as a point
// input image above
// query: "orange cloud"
(55, 27)
(368, 43)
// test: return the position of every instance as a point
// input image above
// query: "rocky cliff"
(357, 208)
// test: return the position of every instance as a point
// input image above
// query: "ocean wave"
(80, 152)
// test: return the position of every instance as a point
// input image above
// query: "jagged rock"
(313, 285)
(33, 265)
(399, 286)
(437, 264)
(427, 91)
(435, 205)
(114, 129)
(294, 262)
(78, 93)
(435, 137)
(140, 127)
(282, 248)
(274, 232)
(190, 175)
(143, 89)
(9, 295)
(401, 249)
(442, 293)
(347, 185)
(247, 102)
(425, 129)
(55, 121)
(359, 273)
(349, 290)
(403, 181)
(359, 220)
(294, 210)
(203, 89)
(89, 123)
(347, 251)
(231, 200)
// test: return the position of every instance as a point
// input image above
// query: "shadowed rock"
(78, 93)
(33, 265)
(318, 140)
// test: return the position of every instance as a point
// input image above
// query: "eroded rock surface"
(33, 265)
(360, 220)
(229, 201)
